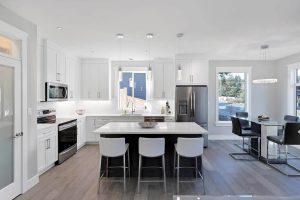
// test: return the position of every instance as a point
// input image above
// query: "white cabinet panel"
(50, 64)
(61, 67)
(54, 63)
(81, 132)
(194, 72)
(95, 80)
(52, 151)
(41, 151)
(163, 80)
(47, 148)
(74, 78)
(186, 71)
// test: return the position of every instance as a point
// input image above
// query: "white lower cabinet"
(81, 132)
(47, 148)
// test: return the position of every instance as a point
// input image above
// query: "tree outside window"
(232, 94)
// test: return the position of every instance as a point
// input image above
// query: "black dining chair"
(291, 136)
(288, 118)
(244, 122)
(237, 130)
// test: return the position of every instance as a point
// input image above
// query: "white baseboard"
(30, 183)
(223, 137)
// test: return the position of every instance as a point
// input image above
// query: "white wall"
(263, 98)
(284, 100)
(31, 29)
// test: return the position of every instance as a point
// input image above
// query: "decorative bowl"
(80, 111)
(147, 124)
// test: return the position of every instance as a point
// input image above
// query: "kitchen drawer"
(52, 129)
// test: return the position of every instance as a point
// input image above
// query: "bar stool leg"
(99, 174)
(139, 173)
(286, 154)
(106, 167)
(164, 172)
(178, 168)
(196, 168)
(174, 169)
(128, 160)
(267, 151)
(124, 171)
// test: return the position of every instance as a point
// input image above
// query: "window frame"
(147, 88)
(248, 77)
(295, 90)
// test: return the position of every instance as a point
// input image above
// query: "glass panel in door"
(6, 125)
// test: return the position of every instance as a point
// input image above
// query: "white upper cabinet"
(74, 77)
(163, 79)
(193, 72)
(95, 79)
(54, 63)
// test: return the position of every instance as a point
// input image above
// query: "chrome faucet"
(132, 107)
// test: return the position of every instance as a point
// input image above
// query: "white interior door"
(10, 128)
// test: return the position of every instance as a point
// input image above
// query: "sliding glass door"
(10, 128)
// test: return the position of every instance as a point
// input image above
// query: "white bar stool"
(152, 147)
(189, 148)
(110, 148)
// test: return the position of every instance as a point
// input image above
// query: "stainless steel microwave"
(56, 92)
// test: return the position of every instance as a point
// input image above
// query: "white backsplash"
(67, 108)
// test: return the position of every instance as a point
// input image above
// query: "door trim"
(13, 32)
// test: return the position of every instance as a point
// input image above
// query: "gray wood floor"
(76, 179)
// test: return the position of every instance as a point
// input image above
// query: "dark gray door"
(184, 103)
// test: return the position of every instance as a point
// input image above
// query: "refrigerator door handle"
(191, 105)
(194, 103)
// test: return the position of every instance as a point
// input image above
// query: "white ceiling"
(218, 29)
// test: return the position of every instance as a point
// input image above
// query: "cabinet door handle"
(94, 122)
(46, 144)
(192, 78)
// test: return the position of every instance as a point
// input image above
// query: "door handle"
(20, 134)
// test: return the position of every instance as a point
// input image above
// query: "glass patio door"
(10, 128)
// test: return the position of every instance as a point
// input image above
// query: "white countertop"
(161, 128)
(128, 115)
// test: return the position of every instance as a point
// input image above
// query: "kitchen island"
(131, 131)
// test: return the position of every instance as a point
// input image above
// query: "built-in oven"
(67, 140)
(56, 91)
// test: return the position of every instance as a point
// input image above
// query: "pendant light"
(120, 36)
(179, 70)
(149, 36)
(264, 55)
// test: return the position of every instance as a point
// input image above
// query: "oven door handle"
(66, 126)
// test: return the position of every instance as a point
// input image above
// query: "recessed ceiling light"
(149, 35)
(179, 35)
(59, 28)
(120, 35)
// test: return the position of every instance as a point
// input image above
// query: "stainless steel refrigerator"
(192, 105)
